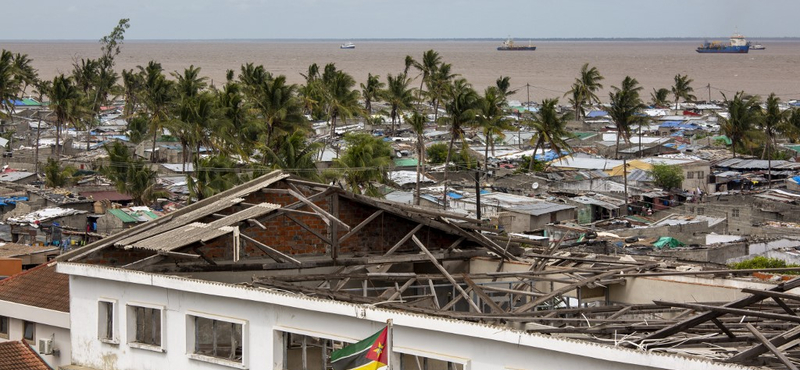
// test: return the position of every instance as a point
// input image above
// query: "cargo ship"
(509, 45)
(737, 45)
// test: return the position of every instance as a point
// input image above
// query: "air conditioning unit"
(46, 346)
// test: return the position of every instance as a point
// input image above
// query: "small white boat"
(757, 46)
(348, 45)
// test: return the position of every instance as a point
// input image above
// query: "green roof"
(31, 102)
(151, 215)
(405, 162)
(796, 148)
(583, 135)
(724, 138)
(666, 241)
(120, 214)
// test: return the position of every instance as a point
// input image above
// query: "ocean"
(545, 73)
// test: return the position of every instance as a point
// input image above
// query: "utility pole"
(709, 93)
(478, 196)
(528, 88)
(625, 179)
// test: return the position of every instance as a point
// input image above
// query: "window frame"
(191, 338)
(103, 324)
(131, 325)
(31, 340)
(7, 321)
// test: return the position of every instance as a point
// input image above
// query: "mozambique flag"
(368, 354)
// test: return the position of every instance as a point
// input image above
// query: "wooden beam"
(179, 255)
(445, 273)
(320, 211)
(297, 211)
(733, 311)
(402, 289)
(275, 254)
(433, 293)
(456, 243)
(255, 222)
(333, 228)
(771, 347)
(309, 229)
(455, 300)
(144, 262)
(758, 349)
(784, 306)
(360, 225)
(724, 329)
(403, 240)
(767, 293)
(576, 285)
(485, 297)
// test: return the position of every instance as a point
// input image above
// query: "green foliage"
(55, 176)
(761, 262)
(212, 176)
(667, 176)
(437, 153)
(137, 128)
(525, 165)
(364, 163)
(295, 155)
(131, 175)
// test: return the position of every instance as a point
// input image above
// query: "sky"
(369, 19)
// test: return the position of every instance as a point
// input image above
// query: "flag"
(368, 354)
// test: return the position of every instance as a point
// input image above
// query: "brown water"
(549, 70)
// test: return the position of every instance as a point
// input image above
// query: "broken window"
(29, 331)
(217, 338)
(148, 325)
(105, 321)
(690, 174)
(4, 327)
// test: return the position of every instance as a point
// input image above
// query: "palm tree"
(132, 85)
(339, 97)
(294, 155)
(503, 84)
(626, 106)
(398, 95)
(371, 91)
(279, 107)
(41, 88)
(550, 129)
(131, 176)
(659, 97)
(212, 176)
(492, 119)
(772, 121)
(235, 123)
(417, 122)
(9, 84)
(157, 98)
(742, 115)
(409, 62)
(440, 83)
(189, 84)
(364, 162)
(585, 87)
(64, 99)
(427, 66)
(682, 89)
(462, 110)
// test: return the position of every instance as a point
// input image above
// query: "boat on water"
(348, 45)
(737, 45)
(757, 46)
(509, 45)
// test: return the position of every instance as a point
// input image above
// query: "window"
(214, 339)
(701, 210)
(4, 327)
(29, 331)
(701, 174)
(106, 319)
(735, 212)
(144, 327)
(690, 174)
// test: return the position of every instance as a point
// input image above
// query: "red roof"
(40, 287)
(18, 355)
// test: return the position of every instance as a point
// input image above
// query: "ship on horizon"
(737, 45)
(348, 45)
(509, 45)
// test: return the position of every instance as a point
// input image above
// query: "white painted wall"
(266, 312)
(49, 324)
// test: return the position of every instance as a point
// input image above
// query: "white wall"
(266, 312)
(49, 324)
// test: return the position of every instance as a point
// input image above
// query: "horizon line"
(785, 38)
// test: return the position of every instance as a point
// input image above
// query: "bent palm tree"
(417, 122)
(371, 91)
(659, 97)
(742, 115)
(682, 89)
(492, 119)
(626, 106)
(585, 87)
(550, 130)
(461, 107)
(398, 95)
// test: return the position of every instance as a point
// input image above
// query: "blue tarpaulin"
(454, 196)
(596, 113)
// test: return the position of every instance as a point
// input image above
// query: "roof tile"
(18, 355)
(40, 287)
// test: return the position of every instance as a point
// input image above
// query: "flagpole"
(389, 343)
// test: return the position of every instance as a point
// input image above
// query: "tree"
(667, 176)
(682, 89)
(626, 106)
(157, 96)
(213, 175)
(492, 119)
(659, 97)
(772, 121)
(436, 153)
(293, 154)
(339, 97)
(417, 122)
(55, 176)
(65, 100)
(131, 175)
(743, 114)
(41, 88)
(550, 129)
(440, 82)
(398, 95)
(503, 84)
(584, 88)
(364, 163)
(461, 107)
(9, 85)
(427, 67)
(371, 91)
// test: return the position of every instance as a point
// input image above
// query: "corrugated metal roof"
(120, 214)
(539, 208)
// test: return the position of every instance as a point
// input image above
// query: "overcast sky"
(364, 19)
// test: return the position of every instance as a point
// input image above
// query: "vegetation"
(364, 163)
(550, 130)
(626, 106)
(682, 89)
(743, 113)
(437, 153)
(584, 89)
(667, 176)
(55, 176)
(761, 262)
